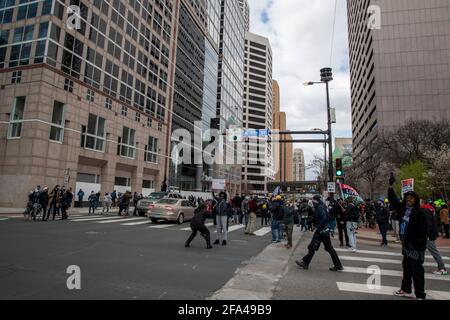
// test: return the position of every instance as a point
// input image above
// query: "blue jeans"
(276, 230)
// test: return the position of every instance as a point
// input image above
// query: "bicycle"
(33, 211)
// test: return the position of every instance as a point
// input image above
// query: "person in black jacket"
(339, 209)
(198, 224)
(43, 201)
(413, 234)
(320, 235)
(382, 216)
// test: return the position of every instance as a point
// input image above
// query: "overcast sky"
(300, 32)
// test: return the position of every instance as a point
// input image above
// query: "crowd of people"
(56, 202)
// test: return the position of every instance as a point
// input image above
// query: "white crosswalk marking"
(386, 290)
(95, 219)
(120, 220)
(385, 253)
(390, 261)
(189, 228)
(233, 228)
(161, 226)
(394, 273)
(136, 223)
(263, 231)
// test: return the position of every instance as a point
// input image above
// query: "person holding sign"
(414, 235)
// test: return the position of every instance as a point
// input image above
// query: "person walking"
(245, 211)
(303, 211)
(137, 197)
(253, 208)
(237, 203)
(311, 217)
(52, 202)
(43, 201)
(223, 209)
(113, 199)
(414, 235)
(288, 221)
(382, 217)
(264, 213)
(66, 200)
(106, 202)
(352, 213)
(443, 214)
(276, 211)
(321, 235)
(198, 225)
(80, 195)
(433, 234)
(92, 199)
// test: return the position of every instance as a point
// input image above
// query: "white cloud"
(300, 32)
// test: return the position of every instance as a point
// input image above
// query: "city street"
(119, 258)
(131, 258)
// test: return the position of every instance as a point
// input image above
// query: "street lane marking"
(386, 290)
(263, 231)
(161, 226)
(365, 259)
(385, 253)
(233, 228)
(136, 223)
(95, 219)
(394, 273)
(120, 220)
(206, 224)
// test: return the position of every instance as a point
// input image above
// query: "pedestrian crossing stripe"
(161, 226)
(119, 220)
(189, 228)
(394, 273)
(386, 290)
(95, 219)
(263, 231)
(385, 253)
(389, 261)
(233, 228)
(136, 223)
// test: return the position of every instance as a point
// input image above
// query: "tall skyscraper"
(85, 104)
(246, 11)
(195, 84)
(399, 71)
(230, 89)
(298, 164)
(282, 152)
(258, 113)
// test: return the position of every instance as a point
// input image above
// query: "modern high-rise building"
(282, 152)
(399, 64)
(298, 164)
(258, 99)
(229, 111)
(246, 11)
(195, 96)
(85, 101)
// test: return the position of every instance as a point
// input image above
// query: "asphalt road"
(116, 261)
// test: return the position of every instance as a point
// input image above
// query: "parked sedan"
(173, 210)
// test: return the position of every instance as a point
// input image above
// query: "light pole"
(324, 155)
(326, 76)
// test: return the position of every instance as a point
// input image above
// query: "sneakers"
(352, 250)
(441, 272)
(186, 245)
(340, 268)
(217, 241)
(403, 294)
(224, 242)
(209, 246)
(302, 264)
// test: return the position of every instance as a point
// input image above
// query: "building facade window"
(124, 111)
(108, 103)
(90, 95)
(148, 184)
(128, 143)
(16, 118)
(57, 128)
(121, 181)
(16, 76)
(94, 135)
(137, 117)
(151, 150)
(68, 85)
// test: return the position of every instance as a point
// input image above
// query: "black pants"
(383, 230)
(203, 231)
(44, 212)
(80, 202)
(413, 272)
(446, 231)
(342, 230)
(264, 220)
(53, 207)
(314, 246)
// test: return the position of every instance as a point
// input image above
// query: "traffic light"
(339, 171)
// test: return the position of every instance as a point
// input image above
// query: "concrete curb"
(259, 278)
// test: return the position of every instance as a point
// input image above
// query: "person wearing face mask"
(321, 235)
(223, 209)
(414, 235)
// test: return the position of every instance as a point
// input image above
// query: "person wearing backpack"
(321, 235)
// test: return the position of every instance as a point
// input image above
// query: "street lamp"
(326, 75)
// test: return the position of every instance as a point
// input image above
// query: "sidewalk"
(6, 211)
